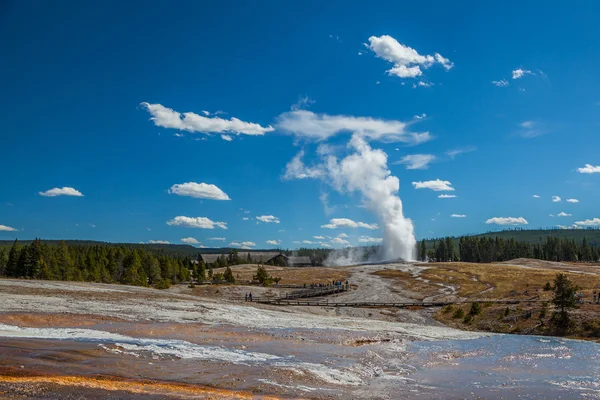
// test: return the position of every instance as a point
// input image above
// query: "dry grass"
(502, 281)
(291, 276)
(507, 281)
(490, 281)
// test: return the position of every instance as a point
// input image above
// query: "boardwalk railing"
(282, 301)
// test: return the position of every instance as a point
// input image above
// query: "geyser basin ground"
(139, 334)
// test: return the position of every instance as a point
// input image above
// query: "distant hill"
(533, 236)
(539, 235)
(173, 250)
(183, 250)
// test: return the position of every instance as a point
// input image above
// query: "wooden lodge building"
(255, 257)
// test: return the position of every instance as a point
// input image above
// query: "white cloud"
(446, 196)
(437, 185)
(407, 61)
(319, 237)
(308, 125)
(307, 242)
(246, 248)
(369, 239)
(342, 235)
(589, 169)
(226, 138)
(556, 199)
(303, 103)
(458, 216)
(519, 73)
(420, 116)
(191, 122)
(535, 196)
(323, 244)
(339, 240)
(190, 240)
(296, 169)
(453, 153)
(4, 228)
(234, 244)
(64, 191)
(336, 223)
(563, 214)
(501, 83)
(178, 135)
(248, 244)
(422, 84)
(589, 222)
(507, 221)
(527, 124)
(568, 226)
(221, 239)
(268, 219)
(531, 129)
(199, 191)
(359, 53)
(158, 242)
(417, 161)
(572, 201)
(551, 215)
(92, 225)
(205, 113)
(197, 222)
(274, 242)
(245, 218)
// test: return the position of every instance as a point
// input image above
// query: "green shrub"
(506, 312)
(547, 287)
(447, 309)
(475, 309)
(468, 318)
(459, 313)
(163, 284)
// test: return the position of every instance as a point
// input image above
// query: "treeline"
(488, 249)
(98, 263)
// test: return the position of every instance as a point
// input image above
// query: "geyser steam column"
(365, 171)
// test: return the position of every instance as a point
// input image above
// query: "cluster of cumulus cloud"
(354, 169)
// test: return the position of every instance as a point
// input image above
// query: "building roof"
(265, 256)
(261, 255)
(299, 260)
(210, 258)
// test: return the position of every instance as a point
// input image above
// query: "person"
(250, 296)
(246, 297)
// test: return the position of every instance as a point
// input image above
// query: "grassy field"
(485, 282)
(290, 276)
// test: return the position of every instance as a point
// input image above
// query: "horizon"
(285, 126)
(282, 248)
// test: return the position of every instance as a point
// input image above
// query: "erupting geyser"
(365, 171)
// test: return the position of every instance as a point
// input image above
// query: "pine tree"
(423, 251)
(202, 272)
(564, 299)
(3, 262)
(134, 273)
(228, 275)
(262, 276)
(13, 259)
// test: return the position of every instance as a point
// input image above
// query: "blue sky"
(501, 101)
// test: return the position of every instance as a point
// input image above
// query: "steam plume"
(365, 171)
